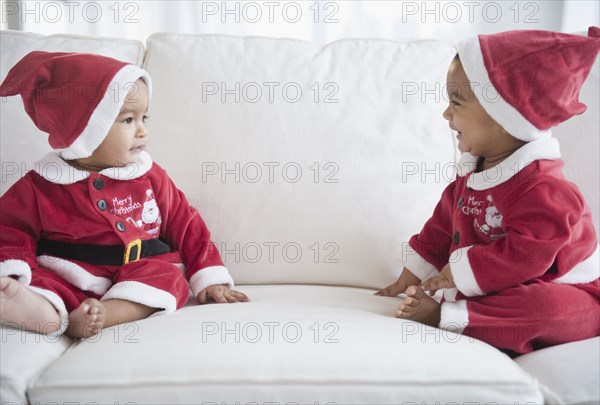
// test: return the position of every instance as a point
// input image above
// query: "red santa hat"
(74, 97)
(529, 81)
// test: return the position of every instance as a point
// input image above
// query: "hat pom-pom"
(594, 32)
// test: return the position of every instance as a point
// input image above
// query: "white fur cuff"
(208, 276)
(454, 316)
(143, 294)
(59, 305)
(17, 268)
(418, 266)
(464, 279)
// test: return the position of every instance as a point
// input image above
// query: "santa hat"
(529, 81)
(74, 97)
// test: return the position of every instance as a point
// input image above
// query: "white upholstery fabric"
(579, 140)
(326, 344)
(383, 145)
(23, 355)
(569, 373)
(21, 143)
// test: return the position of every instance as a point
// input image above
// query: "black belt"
(114, 255)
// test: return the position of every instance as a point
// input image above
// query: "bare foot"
(26, 308)
(87, 320)
(420, 307)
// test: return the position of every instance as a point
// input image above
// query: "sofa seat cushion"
(569, 373)
(292, 343)
(24, 355)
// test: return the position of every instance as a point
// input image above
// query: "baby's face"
(478, 133)
(128, 136)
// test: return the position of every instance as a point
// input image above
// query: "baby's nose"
(447, 114)
(142, 131)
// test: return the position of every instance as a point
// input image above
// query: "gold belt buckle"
(133, 243)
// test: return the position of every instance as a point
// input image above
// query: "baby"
(91, 237)
(511, 241)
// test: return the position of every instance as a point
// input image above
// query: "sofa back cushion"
(310, 164)
(579, 139)
(21, 143)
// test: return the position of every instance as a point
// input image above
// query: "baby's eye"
(454, 102)
(128, 120)
(145, 118)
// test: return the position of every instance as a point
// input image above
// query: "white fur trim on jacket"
(105, 113)
(492, 102)
(59, 304)
(418, 266)
(454, 316)
(17, 268)
(542, 149)
(142, 294)
(75, 274)
(584, 272)
(208, 276)
(464, 279)
(449, 294)
(54, 169)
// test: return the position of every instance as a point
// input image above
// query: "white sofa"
(312, 166)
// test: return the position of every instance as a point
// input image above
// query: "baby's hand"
(442, 280)
(406, 279)
(221, 294)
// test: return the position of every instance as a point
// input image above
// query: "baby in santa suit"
(511, 242)
(90, 238)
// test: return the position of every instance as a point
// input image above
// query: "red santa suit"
(57, 223)
(526, 275)
(103, 209)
